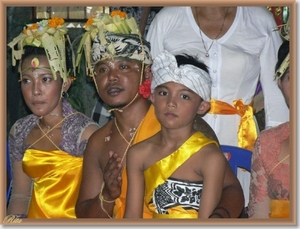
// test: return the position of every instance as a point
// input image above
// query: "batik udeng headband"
(165, 69)
(111, 36)
(130, 46)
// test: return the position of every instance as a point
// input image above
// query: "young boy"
(178, 168)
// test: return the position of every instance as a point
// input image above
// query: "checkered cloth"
(100, 114)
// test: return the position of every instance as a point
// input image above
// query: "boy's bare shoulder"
(151, 141)
(144, 147)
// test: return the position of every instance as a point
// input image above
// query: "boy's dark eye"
(162, 93)
(185, 97)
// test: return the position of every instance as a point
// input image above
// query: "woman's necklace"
(207, 50)
(132, 134)
(45, 134)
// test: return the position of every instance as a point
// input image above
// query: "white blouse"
(246, 54)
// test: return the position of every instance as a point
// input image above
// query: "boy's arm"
(212, 167)
(135, 187)
(232, 199)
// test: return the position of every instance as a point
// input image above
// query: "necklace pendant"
(206, 54)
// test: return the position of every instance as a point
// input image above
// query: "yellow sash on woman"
(279, 209)
(148, 128)
(159, 172)
(247, 132)
(56, 175)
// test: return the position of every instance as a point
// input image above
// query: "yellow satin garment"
(177, 213)
(279, 209)
(148, 128)
(247, 132)
(159, 172)
(56, 175)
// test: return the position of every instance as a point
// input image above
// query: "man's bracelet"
(216, 213)
(224, 210)
(101, 196)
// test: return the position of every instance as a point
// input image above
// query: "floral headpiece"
(48, 34)
(285, 34)
(109, 36)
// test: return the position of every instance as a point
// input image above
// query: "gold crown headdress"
(112, 35)
(284, 30)
(48, 34)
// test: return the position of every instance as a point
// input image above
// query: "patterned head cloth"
(165, 69)
(111, 36)
(48, 34)
(130, 46)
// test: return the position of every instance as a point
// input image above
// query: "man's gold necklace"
(207, 50)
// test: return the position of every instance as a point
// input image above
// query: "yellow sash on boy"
(148, 128)
(279, 209)
(159, 172)
(56, 176)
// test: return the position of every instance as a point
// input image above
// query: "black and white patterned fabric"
(174, 193)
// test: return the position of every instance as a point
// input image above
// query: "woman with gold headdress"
(270, 172)
(46, 147)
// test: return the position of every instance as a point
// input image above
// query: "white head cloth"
(165, 69)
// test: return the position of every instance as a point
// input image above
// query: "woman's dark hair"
(188, 59)
(283, 51)
(32, 50)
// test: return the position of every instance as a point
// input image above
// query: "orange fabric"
(247, 132)
(56, 175)
(279, 209)
(148, 128)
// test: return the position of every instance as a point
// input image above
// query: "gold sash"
(148, 128)
(56, 175)
(247, 132)
(159, 172)
(279, 209)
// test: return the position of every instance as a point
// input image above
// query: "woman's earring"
(65, 94)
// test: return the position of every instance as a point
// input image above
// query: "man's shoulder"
(102, 132)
